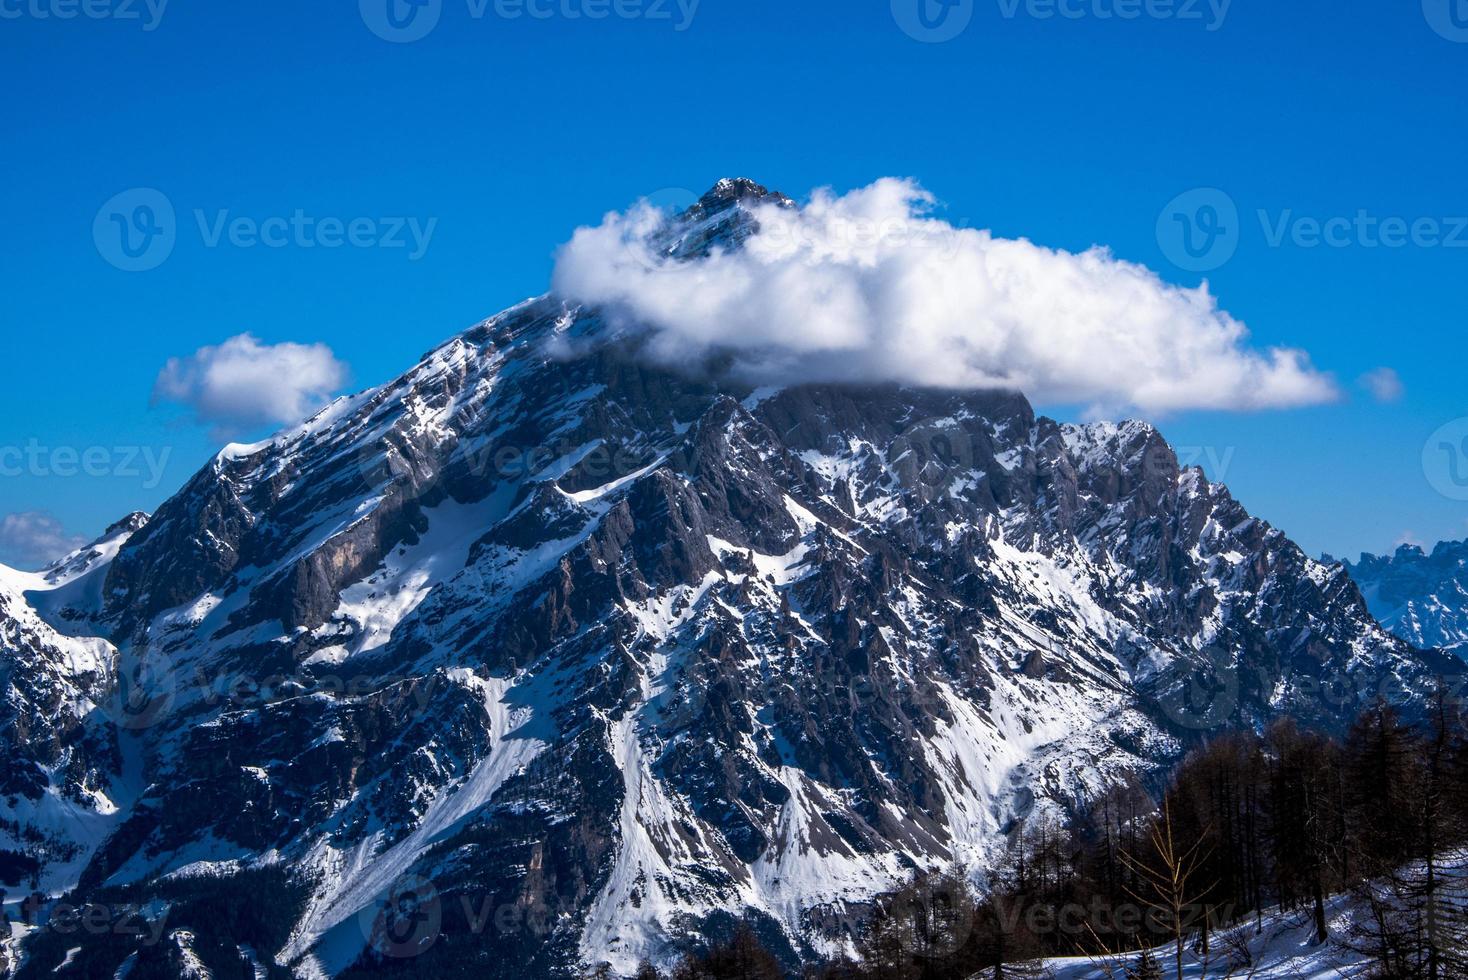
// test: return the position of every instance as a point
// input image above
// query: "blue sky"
(502, 134)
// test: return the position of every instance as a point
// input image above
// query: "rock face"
(63, 780)
(540, 657)
(1421, 597)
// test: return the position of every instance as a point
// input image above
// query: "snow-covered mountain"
(1421, 597)
(543, 656)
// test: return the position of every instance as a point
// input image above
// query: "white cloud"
(870, 287)
(243, 384)
(33, 539)
(1384, 384)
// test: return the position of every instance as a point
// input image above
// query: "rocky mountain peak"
(129, 524)
(740, 190)
(643, 651)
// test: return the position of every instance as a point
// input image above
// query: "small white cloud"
(869, 287)
(243, 384)
(33, 539)
(1384, 384)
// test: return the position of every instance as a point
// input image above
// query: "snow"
(1285, 949)
(761, 394)
(602, 492)
(999, 760)
(779, 569)
(352, 879)
(380, 602)
(190, 966)
(799, 872)
(1277, 945)
(636, 901)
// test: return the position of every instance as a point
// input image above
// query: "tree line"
(1250, 823)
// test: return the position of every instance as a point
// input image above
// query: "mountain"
(545, 656)
(1421, 597)
(63, 778)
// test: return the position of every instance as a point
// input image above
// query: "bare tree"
(1168, 879)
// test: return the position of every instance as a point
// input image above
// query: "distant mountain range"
(1421, 597)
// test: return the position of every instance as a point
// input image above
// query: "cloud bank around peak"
(870, 286)
(242, 384)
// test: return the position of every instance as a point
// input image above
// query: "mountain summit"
(592, 657)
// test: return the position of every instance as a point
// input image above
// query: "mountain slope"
(63, 718)
(543, 656)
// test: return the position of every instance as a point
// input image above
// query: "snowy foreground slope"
(1282, 945)
(577, 659)
(1285, 949)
